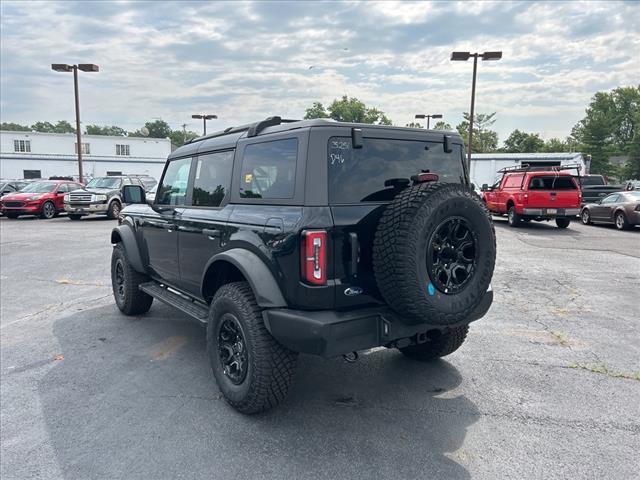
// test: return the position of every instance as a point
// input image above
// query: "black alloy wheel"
(232, 349)
(451, 255)
(119, 280)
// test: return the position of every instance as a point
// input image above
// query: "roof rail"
(539, 168)
(253, 129)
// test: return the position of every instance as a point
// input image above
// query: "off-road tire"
(129, 298)
(620, 221)
(114, 209)
(585, 217)
(48, 210)
(404, 236)
(73, 216)
(270, 366)
(513, 218)
(563, 222)
(440, 346)
(12, 215)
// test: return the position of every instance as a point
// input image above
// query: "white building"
(42, 155)
(485, 166)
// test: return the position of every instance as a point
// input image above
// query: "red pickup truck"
(526, 194)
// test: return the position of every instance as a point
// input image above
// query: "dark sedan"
(620, 208)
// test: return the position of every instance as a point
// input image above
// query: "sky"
(245, 61)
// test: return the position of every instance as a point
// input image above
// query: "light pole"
(428, 117)
(204, 120)
(85, 67)
(463, 57)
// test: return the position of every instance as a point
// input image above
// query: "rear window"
(360, 174)
(552, 182)
(269, 169)
(592, 180)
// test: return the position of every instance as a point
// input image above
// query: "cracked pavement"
(88, 393)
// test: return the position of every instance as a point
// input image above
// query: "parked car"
(44, 198)
(620, 208)
(309, 236)
(10, 186)
(151, 194)
(632, 185)
(102, 195)
(148, 182)
(595, 187)
(531, 193)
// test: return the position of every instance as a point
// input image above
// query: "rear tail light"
(313, 260)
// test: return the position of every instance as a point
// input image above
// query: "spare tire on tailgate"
(434, 253)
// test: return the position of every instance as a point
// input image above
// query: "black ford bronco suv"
(310, 236)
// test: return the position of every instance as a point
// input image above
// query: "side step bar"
(195, 309)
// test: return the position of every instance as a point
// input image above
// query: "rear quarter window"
(359, 174)
(552, 182)
(269, 169)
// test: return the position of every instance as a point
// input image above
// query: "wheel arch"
(124, 234)
(239, 265)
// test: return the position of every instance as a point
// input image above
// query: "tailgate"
(550, 191)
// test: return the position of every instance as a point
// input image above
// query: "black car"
(309, 236)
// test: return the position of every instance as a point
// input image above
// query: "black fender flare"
(124, 234)
(260, 278)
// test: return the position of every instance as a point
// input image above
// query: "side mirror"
(485, 187)
(133, 194)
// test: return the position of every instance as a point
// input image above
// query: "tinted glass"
(104, 182)
(213, 178)
(589, 181)
(610, 199)
(269, 169)
(173, 190)
(359, 175)
(552, 183)
(40, 187)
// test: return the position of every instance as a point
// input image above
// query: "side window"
(213, 178)
(610, 199)
(513, 181)
(269, 169)
(62, 188)
(173, 190)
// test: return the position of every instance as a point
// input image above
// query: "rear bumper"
(552, 212)
(331, 333)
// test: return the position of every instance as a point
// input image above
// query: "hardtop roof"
(229, 137)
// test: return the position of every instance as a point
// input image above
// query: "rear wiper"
(397, 182)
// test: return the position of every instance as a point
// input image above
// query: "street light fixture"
(204, 120)
(428, 117)
(85, 67)
(463, 57)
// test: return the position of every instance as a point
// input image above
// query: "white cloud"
(250, 60)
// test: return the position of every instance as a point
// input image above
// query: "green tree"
(632, 168)
(14, 127)
(157, 129)
(523, 142)
(180, 137)
(556, 145)
(46, 127)
(609, 127)
(440, 125)
(348, 110)
(484, 140)
(316, 110)
(106, 130)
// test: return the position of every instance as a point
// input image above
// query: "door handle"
(211, 233)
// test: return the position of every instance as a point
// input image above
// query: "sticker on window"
(248, 178)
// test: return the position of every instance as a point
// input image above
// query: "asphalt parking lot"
(546, 386)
